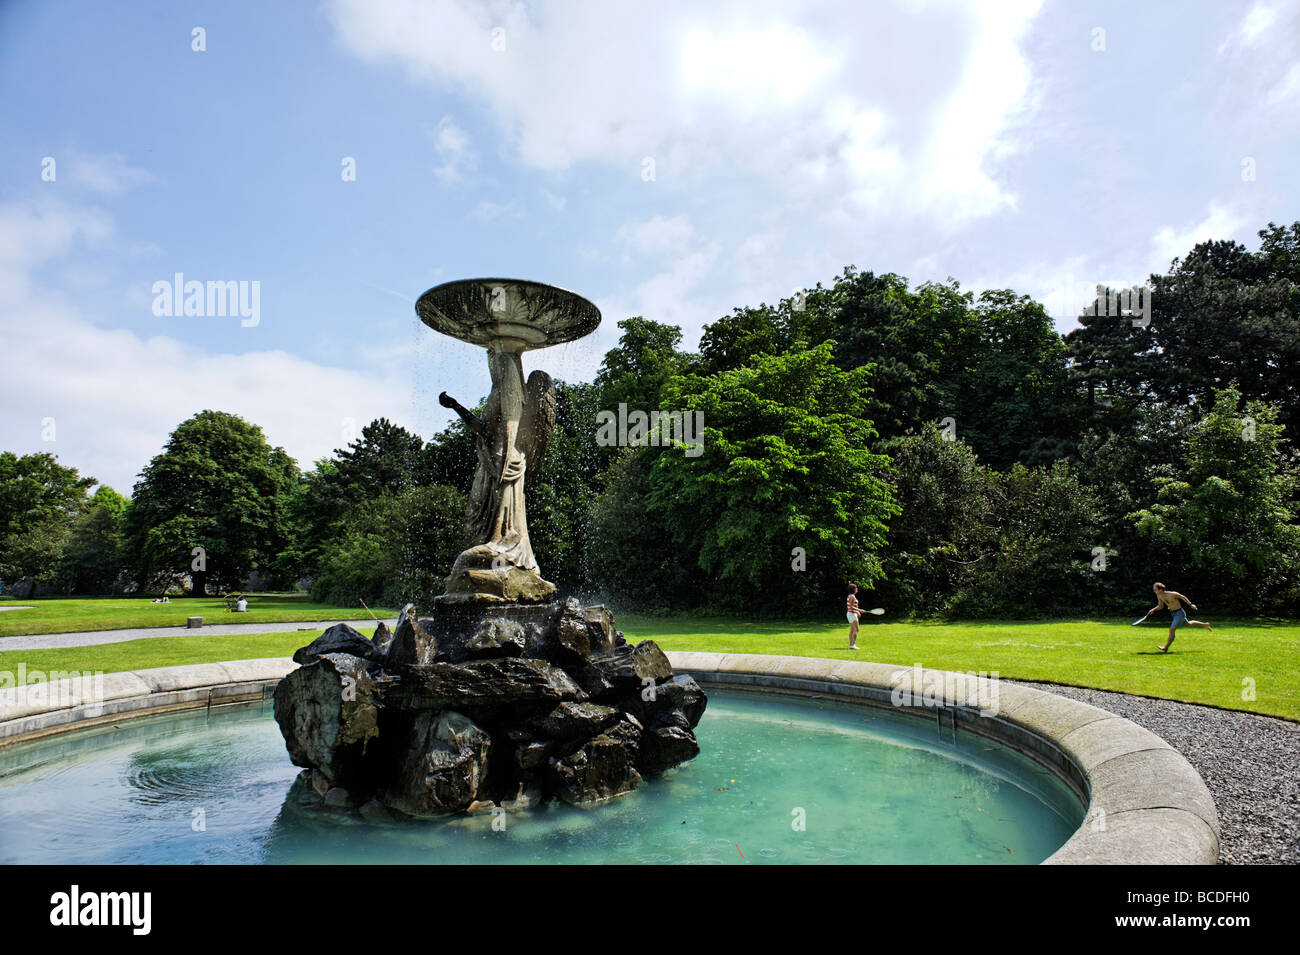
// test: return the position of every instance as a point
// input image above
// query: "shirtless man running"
(1169, 599)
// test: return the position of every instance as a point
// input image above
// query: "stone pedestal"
(480, 575)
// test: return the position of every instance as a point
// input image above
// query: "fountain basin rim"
(1145, 803)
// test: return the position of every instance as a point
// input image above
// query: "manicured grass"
(66, 615)
(156, 652)
(1204, 667)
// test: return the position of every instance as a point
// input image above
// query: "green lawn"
(65, 615)
(1204, 667)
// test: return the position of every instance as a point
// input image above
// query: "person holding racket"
(1172, 601)
(853, 614)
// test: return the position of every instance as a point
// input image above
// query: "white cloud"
(35, 231)
(1287, 88)
(451, 145)
(108, 174)
(1221, 222)
(488, 210)
(815, 103)
(1254, 26)
(115, 395)
(971, 131)
(1262, 50)
(656, 236)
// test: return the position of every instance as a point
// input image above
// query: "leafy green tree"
(560, 502)
(944, 527)
(217, 485)
(91, 558)
(636, 370)
(1011, 399)
(40, 500)
(1225, 526)
(385, 459)
(450, 456)
(735, 340)
(399, 547)
(1225, 316)
(994, 364)
(633, 561)
(1111, 363)
(918, 342)
(1046, 526)
(786, 464)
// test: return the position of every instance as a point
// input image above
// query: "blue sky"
(1005, 144)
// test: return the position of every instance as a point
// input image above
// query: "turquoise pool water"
(780, 779)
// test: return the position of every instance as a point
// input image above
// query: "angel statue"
(511, 436)
(507, 317)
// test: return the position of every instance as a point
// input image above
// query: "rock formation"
(478, 706)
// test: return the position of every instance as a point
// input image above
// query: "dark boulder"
(412, 643)
(663, 747)
(328, 712)
(444, 766)
(496, 636)
(680, 695)
(383, 638)
(571, 720)
(339, 638)
(599, 769)
(624, 670)
(484, 683)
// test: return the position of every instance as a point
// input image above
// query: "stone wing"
(537, 424)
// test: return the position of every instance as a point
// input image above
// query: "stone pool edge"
(38, 710)
(1145, 803)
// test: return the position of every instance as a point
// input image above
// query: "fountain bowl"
(511, 313)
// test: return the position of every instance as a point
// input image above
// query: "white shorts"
(851, 617)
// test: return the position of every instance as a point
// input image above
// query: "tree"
(943, 528)
(1224, 316)
(91, 558)
(213, 505)
(735, 340)
(636, 370)
(1225, 526)
(560, 502)
(1111, 363)
(39, 501)
(634, 563)
(1044, 528)
(385, 459)
(785, 471)
(1008, 383)
(399, 547)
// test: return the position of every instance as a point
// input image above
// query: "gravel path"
(90, 638)
(1250, 763)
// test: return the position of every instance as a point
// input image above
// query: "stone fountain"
(503, 696)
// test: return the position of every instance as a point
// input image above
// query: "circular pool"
(779, 779)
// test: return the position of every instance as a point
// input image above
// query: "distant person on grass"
(1170, 600)
(853, 614)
